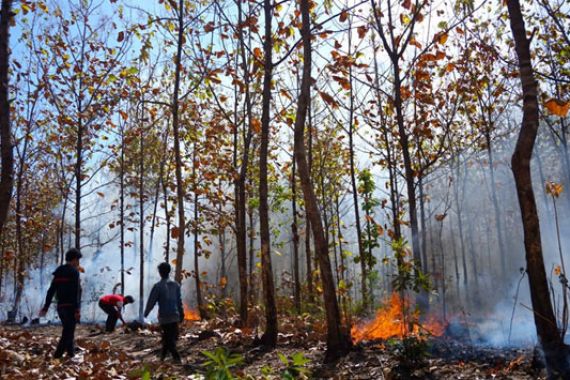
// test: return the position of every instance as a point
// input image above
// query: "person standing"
(66, 287)
(170, 311)
(112, 304)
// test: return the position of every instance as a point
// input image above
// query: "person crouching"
(112, 305)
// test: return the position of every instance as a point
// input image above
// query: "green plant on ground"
(295, 366)
(219, 363)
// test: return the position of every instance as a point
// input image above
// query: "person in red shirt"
(113, 304)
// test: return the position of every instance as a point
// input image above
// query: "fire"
(190, 315)
(390, 322)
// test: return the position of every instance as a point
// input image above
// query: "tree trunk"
(361, 253)
(555, 351)
(141, 221)
(6, 145)
(295, 233)
(240, 197)
(269, 337)
(502, 251)
(122, 208)
(338, 342)
(199, 300)
(180, 191)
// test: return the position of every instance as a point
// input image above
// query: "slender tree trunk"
(269, 337)
(556, 353)
(496, 208)
(252, 290)
(361, 253)
(295, 233)
(338, 341)
(198, 282)
(423, 223)
(342, 269)
(141, 220)
(6, 144)
(167, 217)
(180, 191)
(241, 199)
(122, 208)
(459, 210)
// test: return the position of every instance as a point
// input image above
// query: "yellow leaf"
(554, 189)
(557, 107)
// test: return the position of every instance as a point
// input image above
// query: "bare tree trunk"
(141, 220)
(295, 233)
(556, 353)
(240, 196)
(122, 207)
(502, 250)
(361, 253)
(338, 342)
(180, 191)
(342, 269)
(199, 299)
(167, 217)
(269, 337)
(6, 145)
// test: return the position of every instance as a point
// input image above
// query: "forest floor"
(26, 353)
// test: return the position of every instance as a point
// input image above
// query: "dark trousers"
(67, 317)
(169, 337)
(111, 316)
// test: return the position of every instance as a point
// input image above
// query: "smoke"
(482, 271)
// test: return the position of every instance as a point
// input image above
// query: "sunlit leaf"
(557, 107)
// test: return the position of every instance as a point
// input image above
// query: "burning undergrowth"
(397, 319)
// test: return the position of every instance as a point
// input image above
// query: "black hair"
(164, 270)
(129, 299)
(72, 253)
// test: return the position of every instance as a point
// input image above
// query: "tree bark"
(180, 191)
(295, 233)
(338, 342)
(6, 144)
(269, 337)
(556, 353)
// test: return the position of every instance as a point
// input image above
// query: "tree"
(338, 342)
(556, 352)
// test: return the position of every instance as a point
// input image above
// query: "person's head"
(72, 257)
(164, 270)
(128, 299)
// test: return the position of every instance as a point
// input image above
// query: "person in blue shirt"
(65, 286)
(170, 311)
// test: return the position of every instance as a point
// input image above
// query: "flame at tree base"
(190, 314)
(396, 319)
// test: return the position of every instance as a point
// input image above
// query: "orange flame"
(390, 322)
(190, 315)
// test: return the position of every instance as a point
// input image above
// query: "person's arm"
(152, 298)
(179, 303)
(120, 315)
(49, 297)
